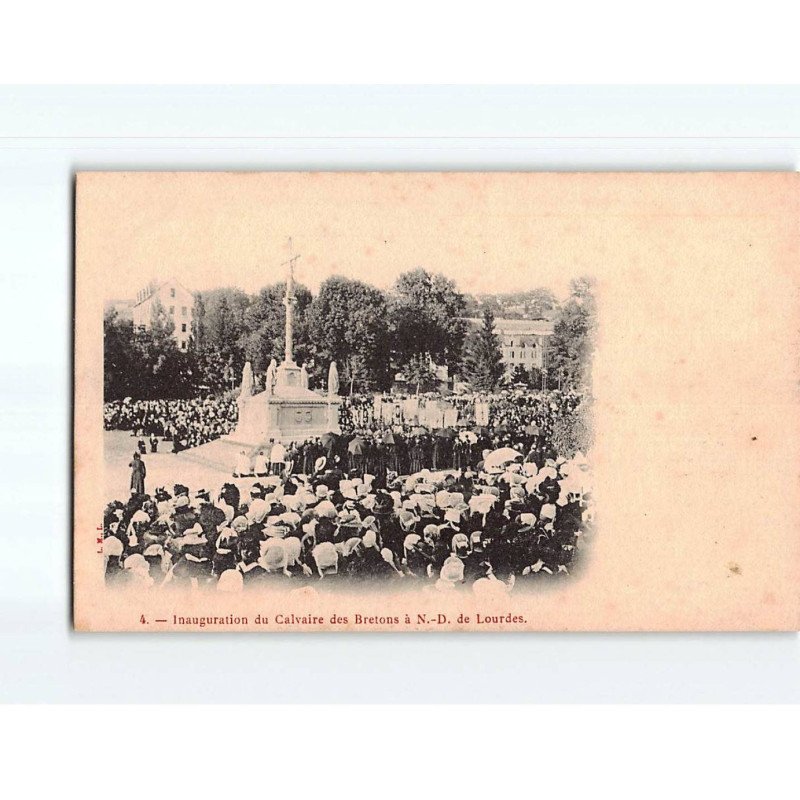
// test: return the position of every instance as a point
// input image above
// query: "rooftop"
(154, 287)
(534, 327)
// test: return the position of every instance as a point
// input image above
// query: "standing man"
(138, 472)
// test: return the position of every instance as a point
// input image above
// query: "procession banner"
(482, 412)
(450, 417)
(410, 410)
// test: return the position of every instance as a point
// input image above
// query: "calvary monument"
(287, 410)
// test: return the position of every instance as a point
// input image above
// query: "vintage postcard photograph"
(436, 402)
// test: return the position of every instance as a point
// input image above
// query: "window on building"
(172, 293)
(183, 345)
(183, 311)
(183, 328)
(172, 309)
(512, 355)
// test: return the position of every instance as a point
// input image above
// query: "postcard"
(436, 402)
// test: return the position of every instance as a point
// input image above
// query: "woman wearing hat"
(112, 552)
(224, 555)
(183, 517)
(248, 552)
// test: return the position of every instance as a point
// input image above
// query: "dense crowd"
(513, 519)
(514, 417)
(380, 451)
(184, 423)
(508, 411)
(485, 506)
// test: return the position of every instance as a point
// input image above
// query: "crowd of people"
(484, 507)
(369, 443)
(514, 416)
(509, 412)
(508, 522)
(183, 423)
(380, 450)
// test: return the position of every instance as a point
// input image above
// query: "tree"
(145, 362)
(427, 316)
(347, 322)
(162, 326)
(535, 378)
(264, 327)
(118, 357)
(217, 329)
(420, 375)
(199, 338)
(569, 351)
(483, 360)
(160, 368)
(223, 330)
(224, 321)
(541, 302)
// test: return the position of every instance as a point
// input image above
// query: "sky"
(490, 233)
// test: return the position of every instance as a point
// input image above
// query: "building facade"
(176, 300)
(523, 341)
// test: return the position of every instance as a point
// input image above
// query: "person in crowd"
(138, 473)
(260, 466)
(277, 457)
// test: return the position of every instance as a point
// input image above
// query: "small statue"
(303, 377)
(333, 380)
(247, 381)
(269, 380)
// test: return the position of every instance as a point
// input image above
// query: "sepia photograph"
(328, 401)
(447, 452)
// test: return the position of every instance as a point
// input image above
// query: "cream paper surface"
(697, 454)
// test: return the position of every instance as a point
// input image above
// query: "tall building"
(523, 341)
(178, 303)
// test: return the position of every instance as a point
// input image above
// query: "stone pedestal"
(287, 412)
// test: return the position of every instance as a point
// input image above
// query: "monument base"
(288, 413)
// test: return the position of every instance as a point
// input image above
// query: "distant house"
(523, 341)
(178, 303)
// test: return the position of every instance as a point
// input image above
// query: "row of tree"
(369, 333)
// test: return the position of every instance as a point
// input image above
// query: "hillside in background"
(532, 304)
